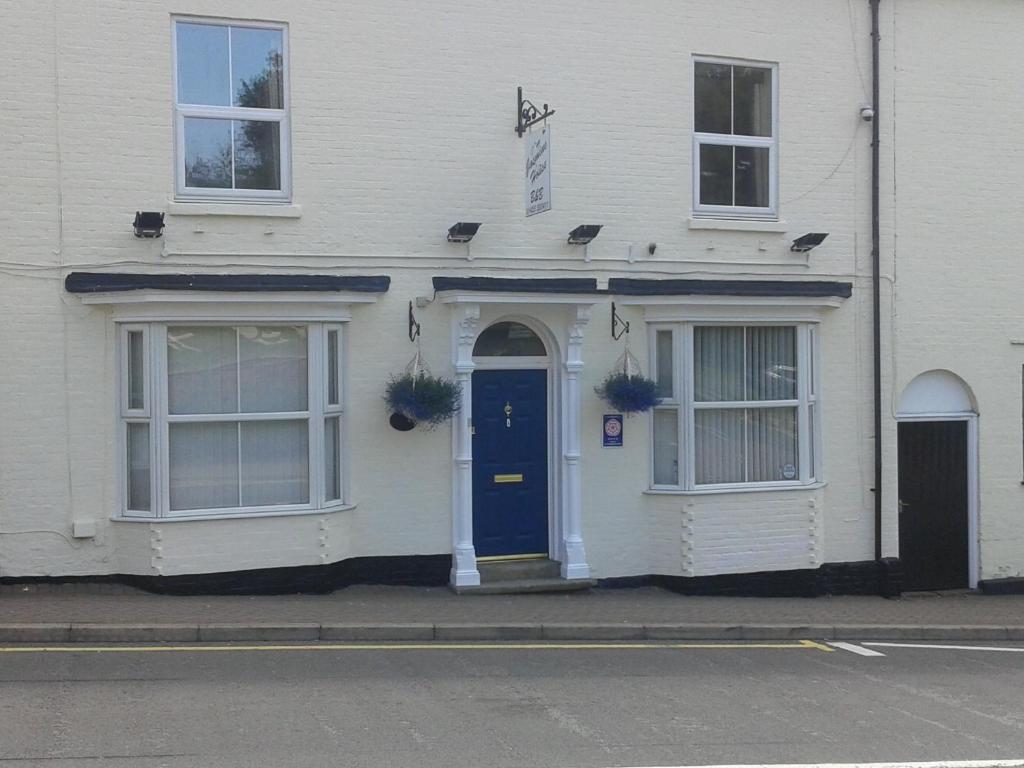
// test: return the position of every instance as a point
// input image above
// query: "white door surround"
(566, 540)
(944, 396)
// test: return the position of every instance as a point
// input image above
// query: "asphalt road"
(498, 707)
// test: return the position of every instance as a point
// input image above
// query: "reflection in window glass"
(712, 99)
(203, 72)
(666, 446)
(138, 467)
(509, 339)
(208, 153)
(719, 447)
(257, 64)
(752, 101)
(136, 371)
(716, 165)
(332, 451)
(663, 351)
(752, 176)
(333, 395)
(257, 154)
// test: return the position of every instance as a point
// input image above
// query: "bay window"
(230, 419)
(738, 406)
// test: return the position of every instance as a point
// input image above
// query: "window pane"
(663, 350)
(666, 446)
(712, 98)
(810, 360)
(752, 176)
(138, 467)
(810, 442)
(257, 64)
(333, 395)
(752, 102)
(207, 153)
(718, 452)
(332, 459)
(203, 466)
(715, 174)
(772, 453)
(273, 368)
(508, 340)
(202, 373)
(203, 65)
(257, 154)
(771, 363)
(718, 364)
(275, 462)
(136, 371)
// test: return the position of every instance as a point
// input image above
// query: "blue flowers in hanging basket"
(421, 399)
(628, 394)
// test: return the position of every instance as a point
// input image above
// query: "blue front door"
(510, 463)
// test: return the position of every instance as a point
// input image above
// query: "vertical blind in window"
(755, 367)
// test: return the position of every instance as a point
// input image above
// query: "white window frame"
(809, 453)
(155, 413)
(280, 116)
(771, 212)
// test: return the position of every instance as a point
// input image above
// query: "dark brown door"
(933, 504)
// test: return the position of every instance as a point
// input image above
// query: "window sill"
(737, 225)
(204, 208)
(235, 516)
(734, 489)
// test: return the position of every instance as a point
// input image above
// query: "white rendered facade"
(398, 123)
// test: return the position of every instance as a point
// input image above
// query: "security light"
(584, 233)
(806, 242)
(148, 224)
(462, 232)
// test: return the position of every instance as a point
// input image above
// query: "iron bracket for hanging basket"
(414, 327)
(619, 326)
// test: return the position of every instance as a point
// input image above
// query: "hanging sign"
(538, 171)
(612, 433)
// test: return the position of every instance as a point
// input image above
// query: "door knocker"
(508, 415)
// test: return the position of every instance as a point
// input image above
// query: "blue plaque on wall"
(612, 432)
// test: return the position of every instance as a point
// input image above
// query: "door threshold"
(499, 558)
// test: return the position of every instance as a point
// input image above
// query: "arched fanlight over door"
(509, 339)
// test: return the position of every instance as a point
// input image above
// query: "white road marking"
(858, 649)
(937, 764)
(947, 647)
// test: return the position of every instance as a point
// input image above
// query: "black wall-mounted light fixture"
(148, 224)
(584, 233)
(462, 232)
(804, 243)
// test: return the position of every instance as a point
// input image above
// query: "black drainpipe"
(875, 278)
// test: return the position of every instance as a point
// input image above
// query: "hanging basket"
(418, 397)
(626, 389)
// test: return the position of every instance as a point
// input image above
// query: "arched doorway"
(511, 437)
(938, 485)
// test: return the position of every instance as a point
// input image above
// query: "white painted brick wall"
(402, 117)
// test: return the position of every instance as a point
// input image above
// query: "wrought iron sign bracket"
(527, 113)
(414, 327)
(619, 326)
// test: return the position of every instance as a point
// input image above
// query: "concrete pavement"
(89, 614)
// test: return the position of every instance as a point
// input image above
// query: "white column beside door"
(464, 572)
(574, 559)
